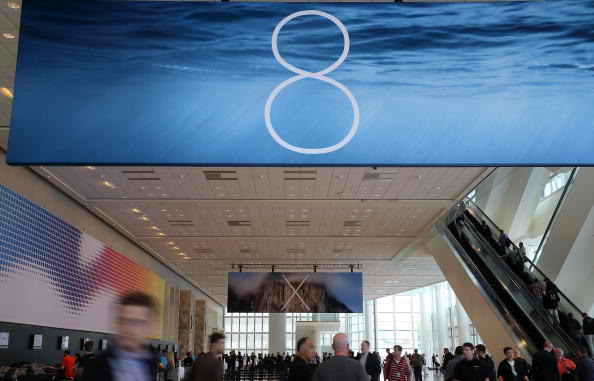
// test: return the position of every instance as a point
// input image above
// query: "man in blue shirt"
(130, 358)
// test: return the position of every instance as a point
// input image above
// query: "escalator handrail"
(482, 283)
(521, 286)
(561, 294)
(555, 212)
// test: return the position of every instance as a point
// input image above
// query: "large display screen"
(224, 83)
(295, 292)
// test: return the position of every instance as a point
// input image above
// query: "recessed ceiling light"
(90, 168)
(10, 36)
(14, 5)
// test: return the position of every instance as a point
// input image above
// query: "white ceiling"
(220, 216)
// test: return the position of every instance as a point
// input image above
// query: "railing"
(553, 219)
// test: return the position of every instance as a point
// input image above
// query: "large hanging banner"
(295, 292)
(224, 83)
(54, 275)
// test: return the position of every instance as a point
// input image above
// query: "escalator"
(526, 318)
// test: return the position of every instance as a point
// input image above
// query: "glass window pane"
(265, 341)
(265, 324)
(250, 341)
(250, 325)
(242, 340)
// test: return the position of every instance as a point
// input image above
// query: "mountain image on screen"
(274, 294)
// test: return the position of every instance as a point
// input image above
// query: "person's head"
(483, 222)
(397, 351)
(468, 349)
(509, 353)
(416, 351)
(459, 351)
(521, 245)
(89, 345)
(388, 350)
(481, 350)
(188, 354)
(306, 349)
(559, 353)
(547, 346)
(135, 317)
(446, 351)
(570, 315)
(581, 351)
(584, 315)
(364, 346)
(216, 343)
(164, 352)
(340, 344)
(501, 231)
(67, 352)
(517, 354)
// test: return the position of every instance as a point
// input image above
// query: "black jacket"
(505, 370)
(487, 361)
(300, 370)
(373, 366)
(588, 323)
(100, 368)
(544, 367)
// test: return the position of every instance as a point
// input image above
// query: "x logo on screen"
(295, 292)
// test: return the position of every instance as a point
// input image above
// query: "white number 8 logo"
(305, 74)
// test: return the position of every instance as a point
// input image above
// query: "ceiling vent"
(249, 251)
(301, 175)
(239, 223)
(342, 251)
(220, 175)
(379, 176)
(355, 223)
(297, 223)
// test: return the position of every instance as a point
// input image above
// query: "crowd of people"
(130, 358)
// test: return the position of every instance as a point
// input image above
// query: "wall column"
(442, 323)
(276, 337)
(200, 335)
(186, 321)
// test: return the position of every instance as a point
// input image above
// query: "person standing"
(585, 365)
(470, 368)
(416, 362)
(566, 366)
(170, 373)
(487, 361)
(509, 369)
(447, 357)
(486, 230)
(68, 364)
(537, 288)
(588, 327)
(301, 368)
(85, 359)
(551, 299)
(130, 358)
(209, 367)
(340, 367)
(521, 362)
(397, 367)
(449, 371)
(371, 362)
(544, 364)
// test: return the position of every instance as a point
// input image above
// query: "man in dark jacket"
(510, 369)
(585, 365)
(447, 356)
(544, 364)
(209, 367)
(130, 357)
(486, 360)
(370, 362)
(301, 368)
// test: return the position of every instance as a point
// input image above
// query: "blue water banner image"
(304, 84)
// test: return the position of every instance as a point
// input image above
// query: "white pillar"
(463, 325)
(426, 324)
(441, 312)
(369, 324)
(276, 335)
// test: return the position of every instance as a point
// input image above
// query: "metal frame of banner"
(297, 266)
